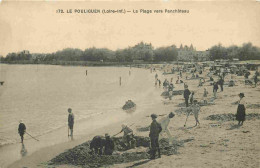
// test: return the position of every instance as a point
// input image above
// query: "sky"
(37, 27)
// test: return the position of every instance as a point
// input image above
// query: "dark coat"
(221, 82)
(21, 128)
(186, 93)
(109, 146)
(155, 129)
(241, 113)
(215, 87)
(97, 142)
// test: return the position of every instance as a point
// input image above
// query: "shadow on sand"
(234, 127)
(23, 151)
(139, 163)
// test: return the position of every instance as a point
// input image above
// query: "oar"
(31, 136)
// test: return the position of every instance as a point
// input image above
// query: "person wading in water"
(70, 122)
(21, 129)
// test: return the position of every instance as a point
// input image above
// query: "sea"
(41, 94)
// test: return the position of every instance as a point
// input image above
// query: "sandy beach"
(215, 144)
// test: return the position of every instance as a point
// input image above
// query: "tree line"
(141, 51)
(246, 52)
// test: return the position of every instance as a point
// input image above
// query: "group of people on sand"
(189, 97)
(100, 145)
(106, 146)
(255, 78)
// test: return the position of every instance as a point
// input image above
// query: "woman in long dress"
(241, 110)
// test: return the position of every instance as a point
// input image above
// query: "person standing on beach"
(215, 89)
(21, 130)
(70, 122)
(205, 95)
(186, 95)
(155, 129)
(241, 110)
(196, 109)
(164, 124)
(255, 79)
(159, 81)
(170, 90)
(191, 97)
(221, 83)
(86, 72)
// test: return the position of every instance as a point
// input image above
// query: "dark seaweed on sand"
(80, 155)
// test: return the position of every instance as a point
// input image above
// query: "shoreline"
(36, 158)
(83, 63)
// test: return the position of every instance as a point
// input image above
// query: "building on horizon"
(25, 52)
(191, 54)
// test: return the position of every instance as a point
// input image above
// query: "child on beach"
(70, 123)
(196, 109)
(156, 76)
(215, 89)
(205, 95)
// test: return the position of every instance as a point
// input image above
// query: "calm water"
(41, 95)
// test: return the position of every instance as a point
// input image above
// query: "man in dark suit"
(155, 130)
